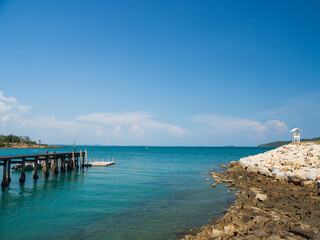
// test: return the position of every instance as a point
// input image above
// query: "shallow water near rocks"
(150, 193)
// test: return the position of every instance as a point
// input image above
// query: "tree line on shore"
(9, 140)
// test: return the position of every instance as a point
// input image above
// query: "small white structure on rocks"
(295, 135)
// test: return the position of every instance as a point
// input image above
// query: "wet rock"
(232, 163)
(223, 166)
(213, 185)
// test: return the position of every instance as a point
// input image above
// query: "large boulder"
(281, 176)
(297, 176)
(264, 171)
(286, 168)
(312, 174)
(261, 197)
(309, 184)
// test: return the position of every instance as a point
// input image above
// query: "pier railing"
(54, 161)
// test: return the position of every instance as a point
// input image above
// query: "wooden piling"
(35, 173)
(23, 167)
(4, 178)
(69, 164)
(80, 159)
(73, 159)
(52, 164)
(63, 164)
(56, 166)
(85, 152)
(77, 162)
(9, 170)
(46, 163)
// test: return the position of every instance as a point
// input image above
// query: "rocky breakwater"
(298, 163)
(268, 207)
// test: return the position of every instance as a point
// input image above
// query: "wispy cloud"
(7, 99)
(134, 123)
(225, 125)
(10, 109)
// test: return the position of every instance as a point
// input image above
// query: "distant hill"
(280, 143)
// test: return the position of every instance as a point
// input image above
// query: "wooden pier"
(54, 161)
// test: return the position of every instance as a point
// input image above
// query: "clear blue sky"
(159, 72)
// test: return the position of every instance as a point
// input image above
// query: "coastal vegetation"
(13, 141)
(281, 143)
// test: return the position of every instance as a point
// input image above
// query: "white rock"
(264, 171)
(261, 197)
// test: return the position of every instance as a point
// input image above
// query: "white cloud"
(236, 126)
(4, 107)
(7, 99)
(136, 130)
(11, 110)
(277, 126)
(133, 123)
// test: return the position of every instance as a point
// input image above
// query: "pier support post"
(77, 162)
(74, 162)
(63, 164)
(56, 165)
(23, 168)
(85, 152)
(9, 170)
(80, 159)
(83, 160)
(52, 164)
(4, 179)
(46, 170)
(69, 164)
(35, 173)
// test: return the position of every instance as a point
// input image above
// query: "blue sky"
(159, 72)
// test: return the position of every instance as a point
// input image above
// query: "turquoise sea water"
(151, 193)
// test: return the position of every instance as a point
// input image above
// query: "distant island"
(13, 141)
(281, 143)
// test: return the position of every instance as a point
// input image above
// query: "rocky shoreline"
(268, 207)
